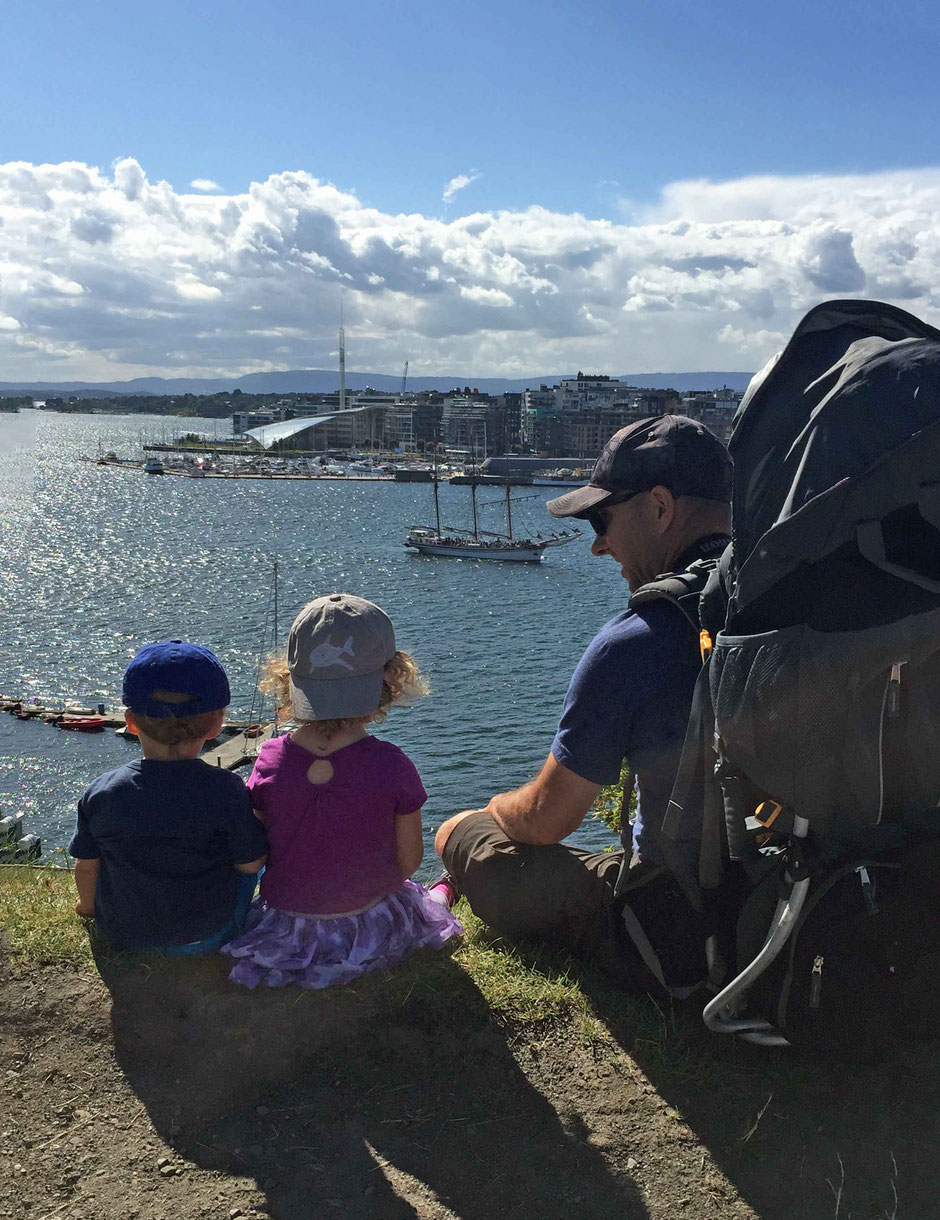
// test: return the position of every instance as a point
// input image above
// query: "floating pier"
(238, 750)
(74, 717)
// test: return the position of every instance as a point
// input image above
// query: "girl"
(342, 809)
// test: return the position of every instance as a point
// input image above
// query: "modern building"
(354, 428)
(715, 408)
(590, 392)
(243, 420)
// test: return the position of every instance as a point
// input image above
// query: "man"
(658, 499)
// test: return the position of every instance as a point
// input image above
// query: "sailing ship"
(456, 543)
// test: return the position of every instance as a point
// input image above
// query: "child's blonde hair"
(401, 680)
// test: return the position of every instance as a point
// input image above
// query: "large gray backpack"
(812, 763)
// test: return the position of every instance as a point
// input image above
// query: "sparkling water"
(97, 561)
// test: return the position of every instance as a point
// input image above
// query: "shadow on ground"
(394, 1097)
(799, 1138)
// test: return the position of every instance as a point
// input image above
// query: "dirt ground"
(168, 1093)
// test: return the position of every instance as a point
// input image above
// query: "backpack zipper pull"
(815, 982)
(893, 707)
(868, 890)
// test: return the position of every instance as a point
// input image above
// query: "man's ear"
(131, 722)
(664, 506)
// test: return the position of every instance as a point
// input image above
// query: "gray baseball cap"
(666, 451)
(338, 648)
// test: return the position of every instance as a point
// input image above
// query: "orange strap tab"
(766, 812)
(704, 645)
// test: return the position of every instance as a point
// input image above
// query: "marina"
(194, 471)
(253, 467)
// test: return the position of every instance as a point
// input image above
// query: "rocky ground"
(164, 1092)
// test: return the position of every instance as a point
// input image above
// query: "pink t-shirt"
(332, 845)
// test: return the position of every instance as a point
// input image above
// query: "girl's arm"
(86, 881)
(409, 842)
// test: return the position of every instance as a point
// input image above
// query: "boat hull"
(517, 554)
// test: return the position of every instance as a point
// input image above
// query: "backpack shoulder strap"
(681, 589)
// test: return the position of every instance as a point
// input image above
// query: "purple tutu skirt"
(277, 948)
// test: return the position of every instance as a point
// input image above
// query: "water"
(97, 561)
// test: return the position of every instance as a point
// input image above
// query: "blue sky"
(570, 106)
(814, 122)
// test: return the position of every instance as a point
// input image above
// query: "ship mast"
(342, 359)
(508, 511)
(437, 503)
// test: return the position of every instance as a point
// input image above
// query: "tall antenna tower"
(404, 379)
(342, 359)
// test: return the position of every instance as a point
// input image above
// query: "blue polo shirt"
(167, 835)
(629, 699)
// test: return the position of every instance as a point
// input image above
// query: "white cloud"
(458, 184)
(107, 275)
(485, 296)
(194, 290)
(204, 184)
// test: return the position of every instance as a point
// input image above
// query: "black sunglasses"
(596, 519)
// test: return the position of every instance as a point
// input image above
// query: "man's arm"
(546, 809)
(543, 811)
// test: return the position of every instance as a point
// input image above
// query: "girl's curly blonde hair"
(401, 681)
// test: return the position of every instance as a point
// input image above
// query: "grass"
(37, 917)
(530, 992)
(38, 925)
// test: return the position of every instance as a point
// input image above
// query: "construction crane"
(404, 379)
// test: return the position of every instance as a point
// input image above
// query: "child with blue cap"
(167, 848)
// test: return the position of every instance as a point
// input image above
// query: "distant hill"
(325, 381)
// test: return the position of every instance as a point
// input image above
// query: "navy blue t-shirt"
(629, 698)
(167, 835)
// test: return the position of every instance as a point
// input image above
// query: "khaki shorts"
(557, 894)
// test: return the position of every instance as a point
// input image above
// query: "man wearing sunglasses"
(658, 500)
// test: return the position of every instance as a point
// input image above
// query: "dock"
(98, 721)
(238, 750)
(280, 476)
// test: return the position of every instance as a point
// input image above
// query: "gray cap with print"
(338, 648)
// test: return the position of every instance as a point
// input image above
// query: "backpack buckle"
(762, 819)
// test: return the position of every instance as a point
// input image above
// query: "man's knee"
(446, 829)
(522, 890)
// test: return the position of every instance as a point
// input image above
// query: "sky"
(491, 189)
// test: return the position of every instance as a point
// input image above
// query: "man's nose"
(599, 545)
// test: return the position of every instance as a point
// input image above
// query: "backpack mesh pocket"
(799, 713)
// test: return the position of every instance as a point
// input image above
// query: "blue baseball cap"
(173, 666)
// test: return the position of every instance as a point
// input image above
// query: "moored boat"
(451, 543)
(81, 724)
(427, 541)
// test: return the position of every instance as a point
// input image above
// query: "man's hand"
(83, 911)
(542, 811)
(546, 809)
